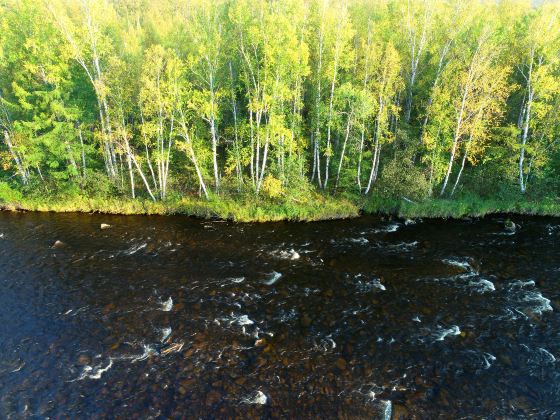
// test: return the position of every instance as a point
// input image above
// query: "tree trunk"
(359, 175)
(462, 165)
(524, 139)
(236, 139)
(192, 154)
(139, 169)
(83, 155)
(17, 158)
(342, 153)
(214, 134)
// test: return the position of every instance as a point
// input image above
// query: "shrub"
(400, 178)
(8, 194)
(272, 187)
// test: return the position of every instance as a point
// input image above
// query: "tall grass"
(308, 207)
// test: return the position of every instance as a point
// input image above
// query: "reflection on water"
(365, 318)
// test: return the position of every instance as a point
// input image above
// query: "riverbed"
(363, 318)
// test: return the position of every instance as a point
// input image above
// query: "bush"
(8, 194)
(400, 178)
(272, 187)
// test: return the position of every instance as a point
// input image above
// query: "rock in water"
(59, 244)
(213, 397)
(173, 348)
(510, 226)
(341, 364)
(105, 226)
(260, 342)
(84, 359)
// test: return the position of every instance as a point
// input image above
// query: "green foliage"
(9, 194)
(283, 109)
(272, 187)
(400, 178)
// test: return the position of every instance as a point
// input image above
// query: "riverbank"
(313, 207)
(466, 206)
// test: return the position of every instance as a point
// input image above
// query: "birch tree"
(538, 68)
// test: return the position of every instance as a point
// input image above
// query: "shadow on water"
(170, 316)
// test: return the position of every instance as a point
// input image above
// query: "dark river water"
(162, 317)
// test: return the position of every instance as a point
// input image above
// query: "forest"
(256, 109)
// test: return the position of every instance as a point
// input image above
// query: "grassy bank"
(466, 206)
(312, 207)
(241, 209)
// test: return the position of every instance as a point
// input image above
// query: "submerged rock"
(258, 398)
(84, 359)
(305, 320)
(213, 397)
(341, 364)
(399, 412)
(172, 348)
(260, 342)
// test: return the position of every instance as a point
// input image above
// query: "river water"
(365, 318)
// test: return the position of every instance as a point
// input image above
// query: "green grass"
(311, 206)
(466, 206)
(240, 209)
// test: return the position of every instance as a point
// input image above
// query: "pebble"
(341, 364)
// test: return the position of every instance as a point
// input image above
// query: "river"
(364, 318)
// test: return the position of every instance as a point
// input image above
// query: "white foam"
(242, 320)
(402, 246)
(258, 398)
(165, 333)
(440, 335)
(236, 280)
(20, 367)
(287, 315)
(326, 344)
(547, 355)
(361, 240)
(456, 263)
(365, 286)
(387, 412)
(272, 278)
(167, 305)
(416, 319)
(290, 254)
(1, 236)
(148, 350)
(483, 286)
(94, 372)
(531, 300)
(550, 228)
(135, 248)
(393, 227)
(539, 303)
(523, 284)
(488, 359)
